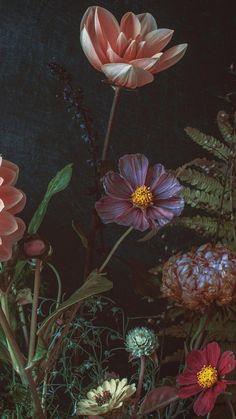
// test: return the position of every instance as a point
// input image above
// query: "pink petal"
(195, 360)
(10, 196)
(166, 186)
(17, 235)
(127, 75)
(170, 57)
(131, 51)
(109, 208)
(133, 167)
(136, 218)
(212, 353)
(106, 27)
(148, 23)
(117, 186)
(189, 391)
(206, 400)
(226, 363)
(5, 252)
(130, 25)
(156, 41)
(186, 378)
(173, 204)
(8, 176)
(145, 63)
(160, 214)
(154, 173)
(19, 206)
(113, 57)
(9, 165)
(8, 223)
(121, 43)
(90, 50)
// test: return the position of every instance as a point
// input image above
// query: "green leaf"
(57, 184)
(40, 353)
(95, 284)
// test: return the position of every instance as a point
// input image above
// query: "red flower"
(140, 196)
(12, 201)
(205, 374)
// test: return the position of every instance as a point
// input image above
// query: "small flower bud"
(141, 341)
(34, 247)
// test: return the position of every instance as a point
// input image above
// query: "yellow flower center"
(142, 197)
(207, 376)
(103, 398)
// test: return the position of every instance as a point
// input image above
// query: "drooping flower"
(199, 278)
(140, 196)
(106, 398)
(130, 53)
(12, 201)
(205, 374)
(141, 341)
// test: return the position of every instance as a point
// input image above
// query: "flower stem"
(25, 374)
(197, 337)
(33, 324)
(228, 401)
(140, 385)
(116, 245)
(110, 124)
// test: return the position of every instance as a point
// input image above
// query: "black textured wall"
(39, 134)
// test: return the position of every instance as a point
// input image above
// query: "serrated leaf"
(57, 184)
(96, 283)
(158, 398)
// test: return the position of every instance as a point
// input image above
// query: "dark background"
(39, 134)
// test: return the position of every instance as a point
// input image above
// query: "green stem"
(59, 288)
(33, 324)
(228, 401)
(25, 374)
(110, 124)
(140, 385)
(197, 337)
(116, 245)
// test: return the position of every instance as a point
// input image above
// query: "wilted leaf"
(24, 296)
(158, 398)
(95, 284)
(57, 184)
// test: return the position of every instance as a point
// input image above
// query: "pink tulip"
(130, 53)
(12, 201)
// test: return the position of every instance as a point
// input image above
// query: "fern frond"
(207, 201)
(208, 226)
(225, 127)
(201, 181)
(209, 143)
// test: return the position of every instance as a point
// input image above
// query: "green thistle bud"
(141, 341)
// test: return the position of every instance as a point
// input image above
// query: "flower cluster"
(108, 397)
(130, 53)
(12, 201)
(141, 341)
(205, 374)
(140, 196)
(199, 278)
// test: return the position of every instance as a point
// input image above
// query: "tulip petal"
(226, 363)
(170, 57)
(117, 186)
(8, 223)
(5, 251)
(106, 27)
(12, 166)
(8, 176)
(130, 25)
(121, 43)
(19, 206)
(109, 208)
(10, 196)
(89, 49)
(133, 167)
(127, 75)
(146, 63)
(156, 41)
(206, 400)
(113, 56)
(131, 51)
(148, 23)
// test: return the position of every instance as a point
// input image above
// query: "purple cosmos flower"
(140, 196)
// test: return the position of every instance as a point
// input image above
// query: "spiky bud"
(141, 341)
